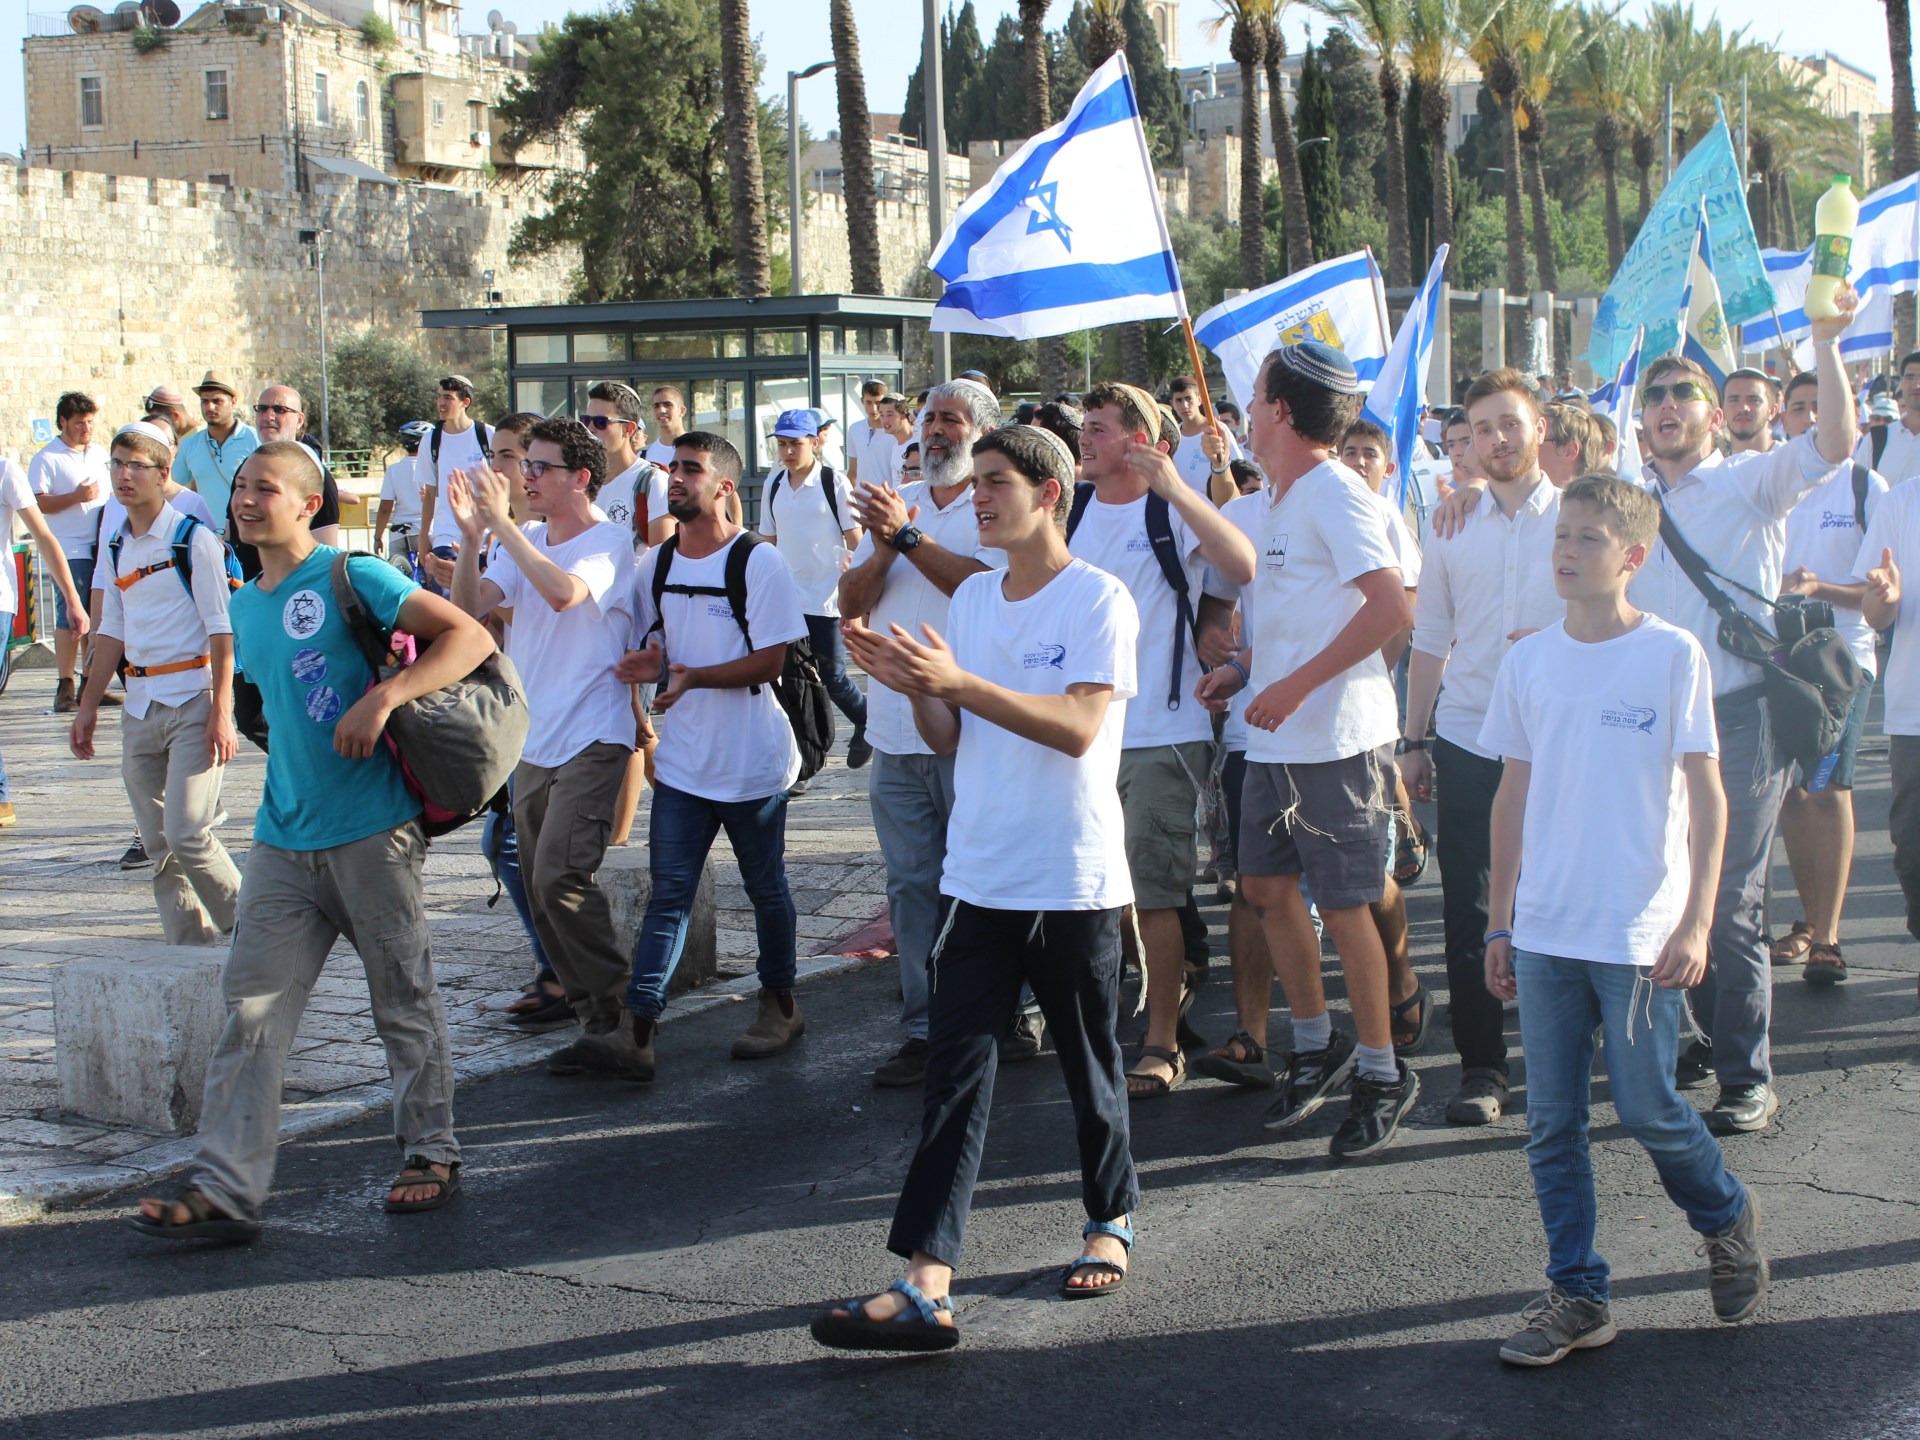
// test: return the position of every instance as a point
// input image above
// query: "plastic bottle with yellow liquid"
(1833, 221)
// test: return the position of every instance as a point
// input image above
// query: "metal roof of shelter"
(730, 311)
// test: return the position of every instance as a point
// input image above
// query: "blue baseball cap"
(796, 424)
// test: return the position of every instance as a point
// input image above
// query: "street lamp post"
(794, 210)
(318, 239)
(934, 132)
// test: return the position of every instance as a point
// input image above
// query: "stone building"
(1212, 94)
(1847, 93)
(280, 97)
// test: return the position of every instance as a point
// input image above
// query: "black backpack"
(1877, 439)
(800, 690)
(479, 433)
(1860, 474)
(1160, 532)
(827, 478)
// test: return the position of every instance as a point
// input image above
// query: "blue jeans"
(679, 834)
(823, 633)
(912, 797)
(1561, 1001)
(500, 843)
(82, 572)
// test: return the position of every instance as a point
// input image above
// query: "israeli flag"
(1069, 235)
(1400, 390)
(1705, 337)
(1883, 262)
(1616, 398)
(1342, 301)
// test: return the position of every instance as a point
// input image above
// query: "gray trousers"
(174, 787)
(1734, 1004)
(912, 796)
(293, 906)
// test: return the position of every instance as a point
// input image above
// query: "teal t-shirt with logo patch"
(294, 644)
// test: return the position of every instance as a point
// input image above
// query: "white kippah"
(150, 432)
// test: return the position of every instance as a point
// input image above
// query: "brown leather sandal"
(1154, 1087)
(1792, 947)
(1825, 965)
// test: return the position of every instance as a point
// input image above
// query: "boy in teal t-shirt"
(338, 850)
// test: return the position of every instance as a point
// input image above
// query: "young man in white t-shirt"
(1605, 724)
(1483, 587)
(921, 542)
(1890, 551)
(1167, 750)
(17, 502)
(1318, 797)
(396, 524)
(1202, 457)
(1824, 535)
(669, 421)
(178, 734)
(806, 509)
(1029, 694)
(68, 477)
(869, 447)
(454, 443)
(728, 757)
(565, 584)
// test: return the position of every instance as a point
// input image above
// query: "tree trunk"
(1247, 47)
(1610, 170)
(1399, 242)
(752, 268)
(1783, 211)
(1293, 189)
(1052, 357)
(1906, 141)
(1543, 257)
(856, 156)
(1107, 37)
(1517, 327)
(1436, 108)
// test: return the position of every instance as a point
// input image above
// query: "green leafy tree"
(377, 382)
(1319, 137)
(1162, 110)
(1359, 119)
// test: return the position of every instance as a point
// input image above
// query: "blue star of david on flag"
(1045, 201)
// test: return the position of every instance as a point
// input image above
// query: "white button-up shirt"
(1899, 461)
(1733, 511)
(1492, 577)
(155, 618)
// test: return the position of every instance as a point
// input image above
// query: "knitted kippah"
(1149, 408)
(1321, 363)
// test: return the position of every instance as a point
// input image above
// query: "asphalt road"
(629, 1260)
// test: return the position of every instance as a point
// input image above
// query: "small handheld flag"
(1400, 392)
(1340, 301)
(1706, 339)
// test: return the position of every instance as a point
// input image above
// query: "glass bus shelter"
(738, 362)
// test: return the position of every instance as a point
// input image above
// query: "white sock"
(1377, 1062)
(1315, 1033)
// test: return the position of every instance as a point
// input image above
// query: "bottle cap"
(1843, 180)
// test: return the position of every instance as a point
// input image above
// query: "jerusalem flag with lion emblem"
(1706, 338)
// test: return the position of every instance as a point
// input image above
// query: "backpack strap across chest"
(733, 588)
(828, 487)
(1166, 552)
(181, 560)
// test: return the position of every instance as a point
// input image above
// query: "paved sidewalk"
(63, 897)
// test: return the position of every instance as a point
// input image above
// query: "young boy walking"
(172, 630)
(337, 851)
(1605, 724)
(1029, 697)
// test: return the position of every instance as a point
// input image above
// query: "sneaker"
(109, 699)
(799, 787)
(65, 702)
(7, 817)
(776, 1027)
(1374, 1114)
(859, 752)
(906, 1066)
(1742, 1109)
(625, 1053)
(1310, 1076)
(1557, 1325)
(571, 1059)
(1480, 1100)
(1695, 1066)
(1023, 1041)
(1737, 1266)
(136, 856)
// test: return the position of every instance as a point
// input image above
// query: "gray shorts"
(1332, 822)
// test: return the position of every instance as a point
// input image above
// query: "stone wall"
(826, 267)
(115, 284)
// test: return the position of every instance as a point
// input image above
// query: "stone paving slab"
(64, 897)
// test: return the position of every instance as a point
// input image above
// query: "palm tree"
(1496, 48)
(1906, 137)
(1107, 37)
(1434, 42)
(1052, 355)
(1383, 25)
(1553, 40)
(752, 266)
(1611, 72)
(1247, 44)
(1286, 154)
(856, 155)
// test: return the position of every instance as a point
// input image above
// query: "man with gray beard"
(921, 541)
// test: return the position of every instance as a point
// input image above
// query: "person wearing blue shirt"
(338, 850)
(209, 457)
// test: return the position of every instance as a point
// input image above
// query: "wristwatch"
(1402, 745)
(907, 537)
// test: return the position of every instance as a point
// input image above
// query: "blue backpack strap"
(1082, 497)
(1160, 533)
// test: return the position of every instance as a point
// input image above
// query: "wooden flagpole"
(1224, 481)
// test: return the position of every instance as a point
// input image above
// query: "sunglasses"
(275, 410)
(601, 422)
(534, 469)
(1681, 390)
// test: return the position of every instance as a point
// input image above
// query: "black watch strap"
(1402, 745)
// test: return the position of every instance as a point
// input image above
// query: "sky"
(794, 34)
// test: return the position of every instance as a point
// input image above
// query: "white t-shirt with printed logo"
(1114, 538)
(58, 469)
(1824, 535)
(1604, 864)
(1327, 531)
(1190, 459)
(722, 745)
(910, 600)
(1895, 525)
(618, 498)
(1035, 828)
(566, 657)
(796, 517)
(15, 496)
(457, 452)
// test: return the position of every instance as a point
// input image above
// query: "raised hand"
(642, 666)
(1845, 302)
(1883, 580)
(466, 510)
(1155, 468)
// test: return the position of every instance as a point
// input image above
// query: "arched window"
(363, 112)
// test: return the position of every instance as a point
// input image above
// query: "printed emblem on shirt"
(1140, 544)
(1046, 657)
(618, 513)
(324, 705)
(304, 614)
(719, 610)
(1276, 556)
(309, 666)
(1836, 520)
(1630, 717)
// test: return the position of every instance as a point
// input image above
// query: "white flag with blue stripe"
(1399, 392)
(1883, 262)
(1616, 399)
(1705, 337)
(1341, 301)
(1069, 234)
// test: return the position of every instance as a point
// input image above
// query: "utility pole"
(933, 78)
(1666, 171)
(794, 198)
(1743, 136)
(318, 239)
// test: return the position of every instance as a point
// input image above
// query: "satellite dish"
(126, 15)
(493, 19)
(162, 12)
(86, 20)
(509, 28)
